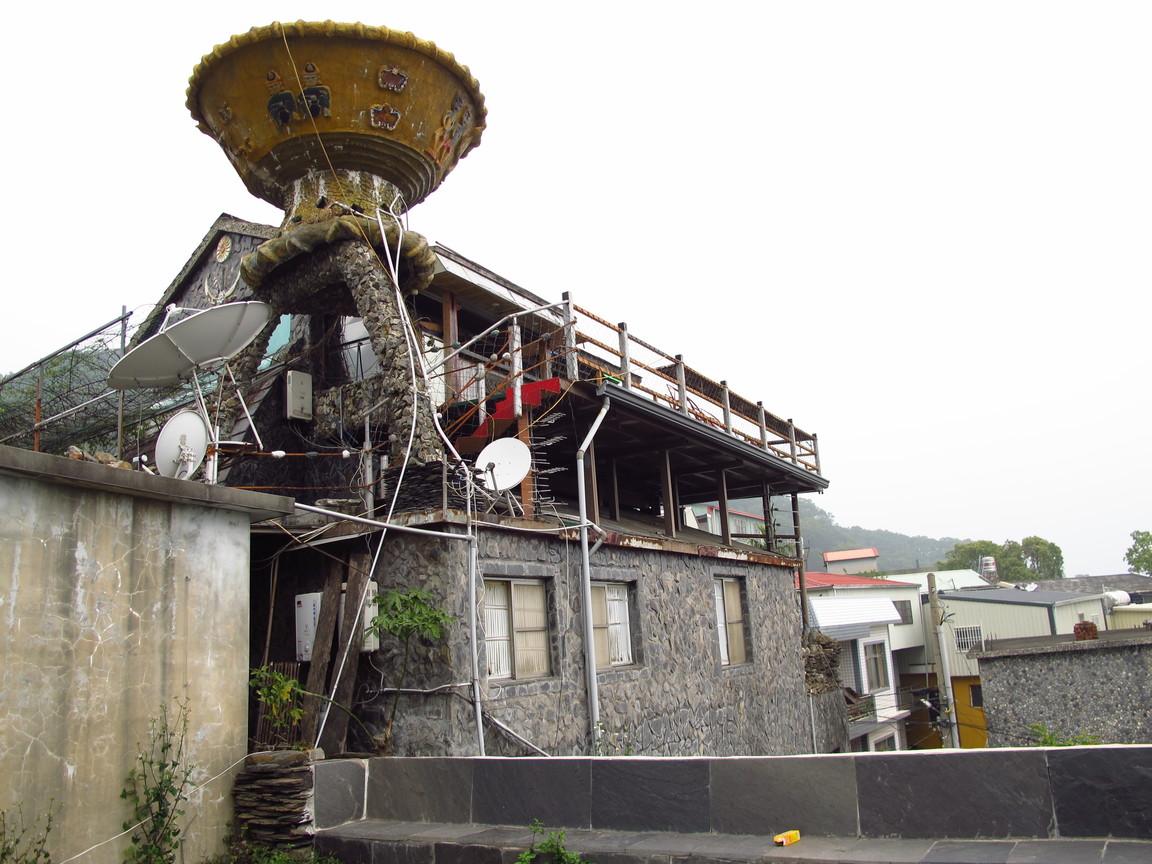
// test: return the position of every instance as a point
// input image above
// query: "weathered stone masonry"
(676, 699)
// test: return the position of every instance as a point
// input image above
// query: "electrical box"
(298, 401)
(308, 613)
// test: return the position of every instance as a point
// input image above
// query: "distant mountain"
(823, 534)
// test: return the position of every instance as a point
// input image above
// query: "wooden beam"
(668, 493)
(347, 656)
(322, 650)
(722, 496)
(591, 480)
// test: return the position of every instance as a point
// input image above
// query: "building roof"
(947, 580)
(843, 580)
(846, 618)
(1018, 597)
(851, 554)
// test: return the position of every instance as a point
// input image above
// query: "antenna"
(182, 444)
(208, 337)
(501, 467)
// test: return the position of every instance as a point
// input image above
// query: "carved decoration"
(391, 78)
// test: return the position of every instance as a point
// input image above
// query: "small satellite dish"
(503, 464)
(181, 446)
(173, 355)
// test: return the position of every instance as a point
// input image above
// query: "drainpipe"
(586, 580)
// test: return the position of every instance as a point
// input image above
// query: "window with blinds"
(610, 625)
(730, 620)
(516, 628)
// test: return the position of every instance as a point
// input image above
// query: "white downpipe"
(586, 582)
(472, 632)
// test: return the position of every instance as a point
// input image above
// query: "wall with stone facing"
(677, 698)
(1094, 687)
(119, 593)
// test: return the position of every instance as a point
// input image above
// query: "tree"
(1032, 558)
(1139, 554)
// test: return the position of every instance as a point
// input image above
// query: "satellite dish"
(173, 355)
(503, 464)
(181, 446)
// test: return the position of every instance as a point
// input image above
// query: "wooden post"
(347, 656)
(668, 494)
(322, 650)
(722, 496)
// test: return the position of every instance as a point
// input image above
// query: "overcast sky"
(920, 230)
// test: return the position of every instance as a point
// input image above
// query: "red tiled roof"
(840, 580)
(851, 554)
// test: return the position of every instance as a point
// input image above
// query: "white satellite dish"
(181, 446)
(208, 337)
(503, 464)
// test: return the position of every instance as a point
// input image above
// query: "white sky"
(920, 230)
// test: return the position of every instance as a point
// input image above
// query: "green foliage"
(550, 850)
(24, 844)
(1048, 738)
(405, 614)
(1031, 559)
(611, 742)
(281, 698)
(1139, 554)
(156, 786)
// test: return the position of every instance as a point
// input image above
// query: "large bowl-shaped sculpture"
(311, 110)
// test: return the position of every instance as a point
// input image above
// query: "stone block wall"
(676, 699)
(1094, 687)
(985, 794)
(120, 593)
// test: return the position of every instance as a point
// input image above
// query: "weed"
(550, 850)
(156, 786)
(1046, 737)
(24, 844)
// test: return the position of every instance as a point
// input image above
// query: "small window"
(730, 620)
(904, 610)
(516, 628)
(610, 625)
(968, 638)
(885, 744)
(876, 664)
(976, 695)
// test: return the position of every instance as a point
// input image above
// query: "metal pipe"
(586, 582)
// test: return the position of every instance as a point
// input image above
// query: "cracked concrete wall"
(113, 605)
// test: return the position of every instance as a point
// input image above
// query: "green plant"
(1048, 738)
(610, 742)
(241, 851)
(281, 697)
(405, 614)
(550, 849)
(24, 844)
(156, 786)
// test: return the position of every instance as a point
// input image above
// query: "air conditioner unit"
(308, 613)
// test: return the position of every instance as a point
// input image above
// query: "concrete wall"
(119, 593)
(1099, 687)
(675, 700)
(1011, 793)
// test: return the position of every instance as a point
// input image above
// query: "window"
(968, 638)
(730, 620)
(610, 625)
(516, 628)
(885, 744)
(976, 695)
(904, 609)
(876, 664)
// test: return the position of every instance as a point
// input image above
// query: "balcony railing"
(860, 707)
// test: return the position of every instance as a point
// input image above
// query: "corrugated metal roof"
(844, 580)
(1018, 597)
(845, 618)
(852, 554)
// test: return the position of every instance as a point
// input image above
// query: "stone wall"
(1094, 687)
(120, 593)
(675, 700)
